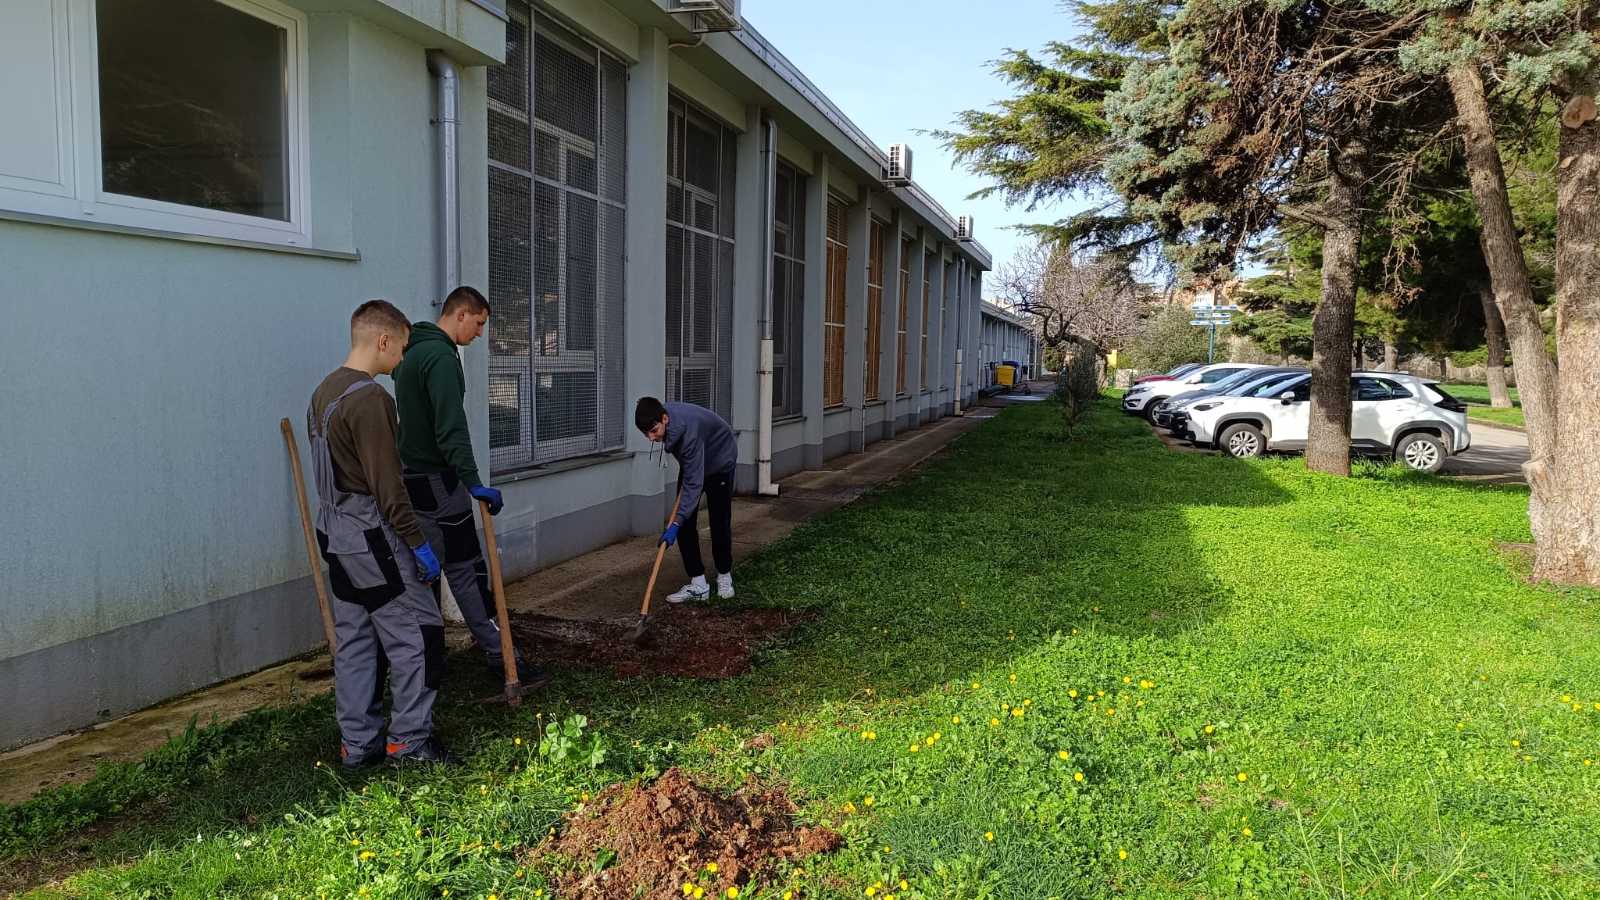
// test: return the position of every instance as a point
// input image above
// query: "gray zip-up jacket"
(703, 444)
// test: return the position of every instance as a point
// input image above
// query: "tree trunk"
(1334, 323)
(1568, 550)
(1508, 270)
(1494, 338)
(1391, 356)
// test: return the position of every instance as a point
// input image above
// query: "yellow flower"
(1013, 678)
(955, 720)
(1063, 754)
(733, 892)
(1122, 854)
(1588, 762)
(872, 735)
(1074, 631)
(1127, 680)
(988, 835)
(1527, 758)
(1243, 777)
(494, 897)
(904, 886)
(1016, 712)
(355, 842)
(976, 685)
(699, 892)
(1111, 710)
(518, 874)
(712, 867)
(1077, 776)
(366, 855)
(788, 895)
(915, 747)
(1516, 743)
(1577, 707)
(1247, 832)
(518, 742)
(687, 888)
(1073, 693)
(848, 807)
(871, 890)
(419, 832)
(1146, 684)
(868, 800)
(1027, 703)
(929, 740)
(993, 722)
(1210, 728)
(1566, 698)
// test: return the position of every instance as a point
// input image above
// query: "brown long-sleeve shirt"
(361, 440)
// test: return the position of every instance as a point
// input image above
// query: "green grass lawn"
(1059, 669)
(1476, 396)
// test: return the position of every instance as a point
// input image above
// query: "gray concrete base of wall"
(47, 691)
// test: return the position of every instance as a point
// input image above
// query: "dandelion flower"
(518, 742)
(988, 836)
(1111, 710)
(868, 800)
(1122, 854)
(915, 747)
(976, 685)
(1516, 743)
(1588, 762)
(1243, 777)
(1566, 698)
(848, 807)
(366, 855)
(733, 892)
(955, 720)
(1027, 703)
(1246, 831)
(1016, 712)
(1077, 776)
(1577, 707)
(1210, 728)
(929, 740)
(699, 892)
(1527, 758)
(1146, 684)
(993, 722)
(1013, 678)
(1073, 693)
(712, 867)
(871, 890)
(687, 888)
(1062, 754)
(904, 886)
(788, 895)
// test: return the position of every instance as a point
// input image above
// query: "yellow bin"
(1005, 376)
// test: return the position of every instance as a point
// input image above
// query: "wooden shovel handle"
(508, 653)
(661, 550)
(313, 557)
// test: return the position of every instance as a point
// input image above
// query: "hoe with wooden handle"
(637, 635)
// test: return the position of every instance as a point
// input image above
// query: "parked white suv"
(1140, 398)
(1411, 419)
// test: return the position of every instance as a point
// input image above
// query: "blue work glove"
(427, 563)
(490, 496)
(670, 536)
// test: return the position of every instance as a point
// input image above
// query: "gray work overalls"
(444, 509)
(383, 611)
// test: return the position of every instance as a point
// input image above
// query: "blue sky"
(898, 67)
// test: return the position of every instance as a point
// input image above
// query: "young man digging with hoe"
(706, 452)
(441, 474)
(379, 562)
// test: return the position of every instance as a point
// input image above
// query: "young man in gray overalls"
(379, 563)
(707, 453)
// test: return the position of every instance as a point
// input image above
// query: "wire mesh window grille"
(700, 172)
(833, 312)
(874, 354)
(788, 290)
(556, 255)
(927, 309)
(904, 299)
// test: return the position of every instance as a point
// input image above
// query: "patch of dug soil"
(684, 641)
(638, 841)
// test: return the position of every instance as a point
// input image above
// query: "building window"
(874, 354)
(788, 290)
(946, 286)
(173, 115)
(700, 173)
(833, 312)
(556, 255)
(905, 317)
(927, 310)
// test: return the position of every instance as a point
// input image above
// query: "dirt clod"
(638, 841)
(684, 641)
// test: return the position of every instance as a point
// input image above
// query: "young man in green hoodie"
(441, 475)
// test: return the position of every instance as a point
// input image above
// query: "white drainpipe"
(448, 88)
(769, 173)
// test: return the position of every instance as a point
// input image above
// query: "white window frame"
(81, 195)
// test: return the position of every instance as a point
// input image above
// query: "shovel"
(637, 635)
(508, 654)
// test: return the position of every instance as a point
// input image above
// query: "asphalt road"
(1496, 455)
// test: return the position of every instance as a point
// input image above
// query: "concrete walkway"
(606, 584)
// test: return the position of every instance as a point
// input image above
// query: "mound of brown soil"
(684, 641)
(637, 841)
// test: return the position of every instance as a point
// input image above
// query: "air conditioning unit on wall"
(705, 16)
(964, 228)
(898, 173)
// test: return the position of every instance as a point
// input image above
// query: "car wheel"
(1422, 452)
(1150, 410)
(1242, 441)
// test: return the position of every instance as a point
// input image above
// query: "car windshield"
(1257, 380)
(1237, 379)
(1182, 370)
(1272, 387)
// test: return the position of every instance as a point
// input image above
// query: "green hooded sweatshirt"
(429, 388)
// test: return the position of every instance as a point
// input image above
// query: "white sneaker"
(725, 587)
(697, 589)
